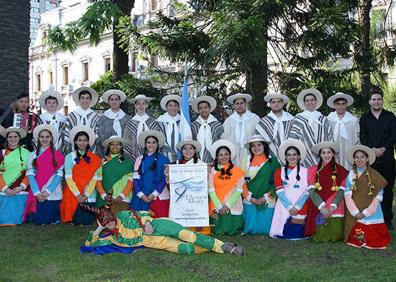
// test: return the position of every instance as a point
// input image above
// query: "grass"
(51, 253)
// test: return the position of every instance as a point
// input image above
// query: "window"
(107, 64)
(38, 82)
(85, 72)
(65, 75)
(65, 110)
(50, 78)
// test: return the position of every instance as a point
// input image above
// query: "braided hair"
(298, 163)
(77, 150)
(153, 166)
(216, 162)
(354, 167)
(333, 165)
(54, 162)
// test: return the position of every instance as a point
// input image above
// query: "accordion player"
(26, 120)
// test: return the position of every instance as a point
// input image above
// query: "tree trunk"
(258, 80)
(14, 50)
(120, 57)
(365, 55)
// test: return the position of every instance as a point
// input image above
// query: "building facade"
(66, 71)
(38, 7)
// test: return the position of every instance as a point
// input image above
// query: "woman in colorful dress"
(115, 176)
(114, 120)
(259, 191)
(81, 173)
(292, 192)
(225, 189)
(149, 181)
(364, 221)
(13, 180)
(45, 172)
(325, 208)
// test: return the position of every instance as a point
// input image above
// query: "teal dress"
(260, 183)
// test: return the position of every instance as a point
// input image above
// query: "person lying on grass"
(137, 228)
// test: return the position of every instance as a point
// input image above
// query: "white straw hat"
(312, 91)
(54, 94)
(232, 98)
(205, 98)
(108, 93)
(292, 143)
(93, 93)
(154, 133)
(41, 127)
(222, 143)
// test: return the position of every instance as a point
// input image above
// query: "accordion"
(27, 121)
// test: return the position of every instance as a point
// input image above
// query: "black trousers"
(387, 170)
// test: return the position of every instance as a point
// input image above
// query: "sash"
(44, 172)
(225, 186)
(361, 198)
(12, 169)
(326, 194)
(82, 174)
(113, 171)
(263, 181)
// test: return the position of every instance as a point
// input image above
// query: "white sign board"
(189, 194)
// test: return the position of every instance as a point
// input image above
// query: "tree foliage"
(130, 85)
(93, 23)
(259, 45)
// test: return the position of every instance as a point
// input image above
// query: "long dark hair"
(195, 157)
(266, 152)
(216, 162)
(54, 162)
(153, 166)
(298, 163)
(77, 150)
(333, 165)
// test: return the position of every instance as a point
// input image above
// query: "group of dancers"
(308, 176)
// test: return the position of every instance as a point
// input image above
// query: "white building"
(65, 71)
(37, 7)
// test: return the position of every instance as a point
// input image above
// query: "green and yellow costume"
(167, 235)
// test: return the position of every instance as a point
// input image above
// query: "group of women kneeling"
(324, 202)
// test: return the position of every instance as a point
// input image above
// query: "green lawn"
(51, 253)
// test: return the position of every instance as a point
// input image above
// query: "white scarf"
(53, 120)
(240, 129)
(116, 116)
(142, 123)
(171, 127)
(278, 126)
(204, 136)
(313, 117)
(83, 115)
(340, 127)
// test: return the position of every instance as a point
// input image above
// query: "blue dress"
(150, 181)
